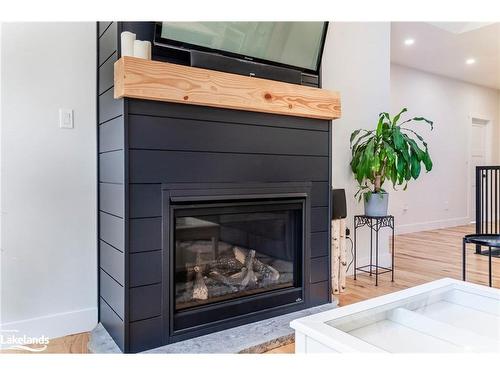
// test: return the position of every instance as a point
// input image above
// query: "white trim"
(431, 225)
(56, 325)
(487, 154)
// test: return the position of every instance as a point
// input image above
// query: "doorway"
(478, 155)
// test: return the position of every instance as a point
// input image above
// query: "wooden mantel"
(155, 80)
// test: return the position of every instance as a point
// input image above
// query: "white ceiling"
(443, 47)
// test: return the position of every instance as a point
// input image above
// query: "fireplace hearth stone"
(257, 337)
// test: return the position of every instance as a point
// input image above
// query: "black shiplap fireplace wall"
(144, 144)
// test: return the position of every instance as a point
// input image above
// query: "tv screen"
(292, 44)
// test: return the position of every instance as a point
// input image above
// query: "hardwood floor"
(420, 257)
(72, 344)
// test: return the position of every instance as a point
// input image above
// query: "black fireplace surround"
(234, 250)
(208, 218)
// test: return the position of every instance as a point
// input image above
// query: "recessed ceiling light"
(409, 41)
(470, 61)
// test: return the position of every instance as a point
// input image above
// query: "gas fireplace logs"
(265, 270)
(339, 262)
(237, 268)
(200, 290)
(241, 279)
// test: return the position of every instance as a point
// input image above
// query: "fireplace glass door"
(231, 250)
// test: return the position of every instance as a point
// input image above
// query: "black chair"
(488, 240)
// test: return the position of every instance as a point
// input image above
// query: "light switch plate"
(66, 118)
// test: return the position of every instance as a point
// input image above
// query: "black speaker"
(243, 67)
(339, 206)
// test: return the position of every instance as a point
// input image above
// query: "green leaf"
(375, 164)
(354, 135)
(391, 155)
(415, 166)
(397, 138)
(385, 115)
(394, 176)
(400, 144)
(427, 161)
(386, 128)
(408, 172)
(424, 119)
(414, 147)
(390, 151)
(368, 195)
(400, 167)
(420, 138)
(361, 138)
(379, 126)
(355, 162)
(396, 118)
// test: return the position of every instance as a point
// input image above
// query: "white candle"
(141, 49)
(148, 47)
(127, 43)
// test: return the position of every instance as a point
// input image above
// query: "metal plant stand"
(488, 240)
(375, 223)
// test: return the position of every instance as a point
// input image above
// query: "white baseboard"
(56, 325)
(431, 225)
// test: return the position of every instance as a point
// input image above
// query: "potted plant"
(391, 152)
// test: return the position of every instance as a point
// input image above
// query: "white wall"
(449, 103)
(356, 62)
(48, 186)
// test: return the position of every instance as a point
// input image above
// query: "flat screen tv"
(295, 45)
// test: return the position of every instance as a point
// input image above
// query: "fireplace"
(195, 191)
(235, 250)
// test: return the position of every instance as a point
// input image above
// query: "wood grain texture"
(285, 349)
(71, 344)
(160, 81)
